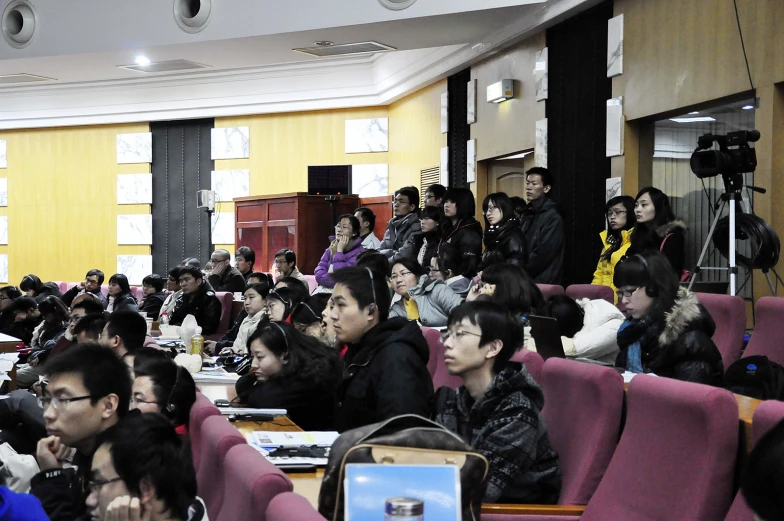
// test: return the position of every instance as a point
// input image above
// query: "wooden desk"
(8, 345)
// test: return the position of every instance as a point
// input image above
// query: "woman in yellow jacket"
(616, 239)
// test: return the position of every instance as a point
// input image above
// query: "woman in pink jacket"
(343, 251)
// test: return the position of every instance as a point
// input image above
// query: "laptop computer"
(547, 336)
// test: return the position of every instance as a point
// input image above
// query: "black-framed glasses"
(60, 403)
(396, 276)
(97, 484)
(621, 293)
(446, 335)
(615, 213)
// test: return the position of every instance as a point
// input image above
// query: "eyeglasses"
(457, 334)
(96, 484)
(626, 292)
(616, 213)
(400, 275)
(399, 201)
(137, 401)
(59, 403)
(491, 209)
(75, 318)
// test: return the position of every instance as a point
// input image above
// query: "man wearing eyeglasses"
(286, 264)
(88, 391)
(404, 223)
(224, 276)
(92, 284)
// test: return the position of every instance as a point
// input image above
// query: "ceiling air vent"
(397, 5)
(345, 48)
(166, 66)
(18, 23)
(16, 79)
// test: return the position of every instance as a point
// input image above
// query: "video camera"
(734, 157)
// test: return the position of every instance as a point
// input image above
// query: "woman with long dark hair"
(657, 229)
(461, 229)
(32, 286)
(503, 237)
(511, 287)
(120, 295)
(616, 239)
(669, 332)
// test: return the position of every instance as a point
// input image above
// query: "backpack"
(756, 377)
(406, 439)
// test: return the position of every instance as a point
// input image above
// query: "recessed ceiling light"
(142, 60)
(695, 112)
(693, 120)
(747, 107)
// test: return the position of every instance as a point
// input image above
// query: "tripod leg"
(770, 283)
(707, 242)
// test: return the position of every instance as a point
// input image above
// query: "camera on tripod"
(733, 158)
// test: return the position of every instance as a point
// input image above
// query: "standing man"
(244, 259)
(543, 230)
(367, 221)
(286, 264)
(92, 284)
(404, 223)
(224, 276)
(196, 300)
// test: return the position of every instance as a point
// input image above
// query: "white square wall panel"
(471, 103)
(3, 191)
(134, 229)
(3, 229)
(135, 267)
(228, 184)
(230, 143)
(134, 148)
(444, 112)
(613, 187)
(615, 46)
(367, 135)
(540, 75)
(471, 162)
(444, 171)
(540, 146)
(223, 228)
(614, 137)
(3, 156)
(370, 180)
(134, 189)
(3, 268)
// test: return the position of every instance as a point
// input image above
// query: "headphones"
(373, 289)
(171, 407)
(650, 290)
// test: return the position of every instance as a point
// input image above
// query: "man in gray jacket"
(404, 223)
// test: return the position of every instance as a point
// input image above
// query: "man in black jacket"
(385, 371)
(92, 284)
(224, 276)
(543, 229)
(404, 223)
(198, 301)
(89, 390)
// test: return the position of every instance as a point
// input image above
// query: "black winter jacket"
(385, 374)
(543, 231)
(230, 280)
(679, 346)
(203, 305)
(414, 244)
(63, 492)
(670, 239)
(152, 304)
(504, 243)
(48, 288)
(74, 292)
(466, 236)
(125, 302)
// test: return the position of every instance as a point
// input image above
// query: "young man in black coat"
(385, 366)
(197, 300)
(543, 229)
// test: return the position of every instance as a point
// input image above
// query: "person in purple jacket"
(343, 251)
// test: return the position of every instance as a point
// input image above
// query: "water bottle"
(404, 509)
(197, 343)
(164, 321)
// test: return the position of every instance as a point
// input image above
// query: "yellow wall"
(62, 203)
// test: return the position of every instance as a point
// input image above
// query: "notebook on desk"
(547, 336)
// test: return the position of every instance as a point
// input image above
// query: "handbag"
(404, 440)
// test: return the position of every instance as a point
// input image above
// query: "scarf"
(632, 335)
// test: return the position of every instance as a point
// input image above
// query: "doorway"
(507, 174)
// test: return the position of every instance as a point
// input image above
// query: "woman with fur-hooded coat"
(657, 229)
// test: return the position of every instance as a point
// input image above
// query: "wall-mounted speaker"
(192, 15)
(18, 23)
(329, 180)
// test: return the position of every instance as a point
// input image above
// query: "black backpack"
(757, 377)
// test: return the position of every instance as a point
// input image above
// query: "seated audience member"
(367, 221)
(259, 297)
(225, 277)
(763, 476)
(280, 303)
(543, 229)
(498, 409)
(616, 239)
(405, 221)
(161, 386)
(120, 295)
(45, 337)
(669, 332)
(92, 284)
(377, 261)
(509, 286)
(657, 229)
(421, 298)
(255, 309)
(16, 506)
(21, 421)
(423, 245)
(286, 265)
(503, 238)
(33, 287)
(434, 196)
(294, 285)
(589, 328)
(461, 228)
(124, 332)
(244, 259)
(89, 328)
(306, 316)
(26, 319)
(82, 307)
(519, 204)
(198, 301)
(257, 278)
(292, 371)
(193, 262)
(7, 296)
(448, 266)
(173, 285)
(88, 391)
(143, 470)
(154, 297)
(386, 360)
(329, 336)
(346, 245)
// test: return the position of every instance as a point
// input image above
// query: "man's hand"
(209, 346)
(126, 508)
(51, 453)
(81, 286)
(219, 267)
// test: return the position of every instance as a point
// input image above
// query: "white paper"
(249, 410)
(6, 366)
(215, 376)
(275, 439)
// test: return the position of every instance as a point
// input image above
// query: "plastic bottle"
(404, 509)
(164, 321)
(197, 343)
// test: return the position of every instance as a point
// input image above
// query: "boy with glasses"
(286, 266)
(404, 223)
(92, 284)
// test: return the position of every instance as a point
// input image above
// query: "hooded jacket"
(679, 346)
(466, 236)
(597, 341)
(543, 232)
(504, 243)
(434, 300)
(339, 260)
(203, 305)
(505, 425)
(670, 239)
(399, 229)
(385, 374)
